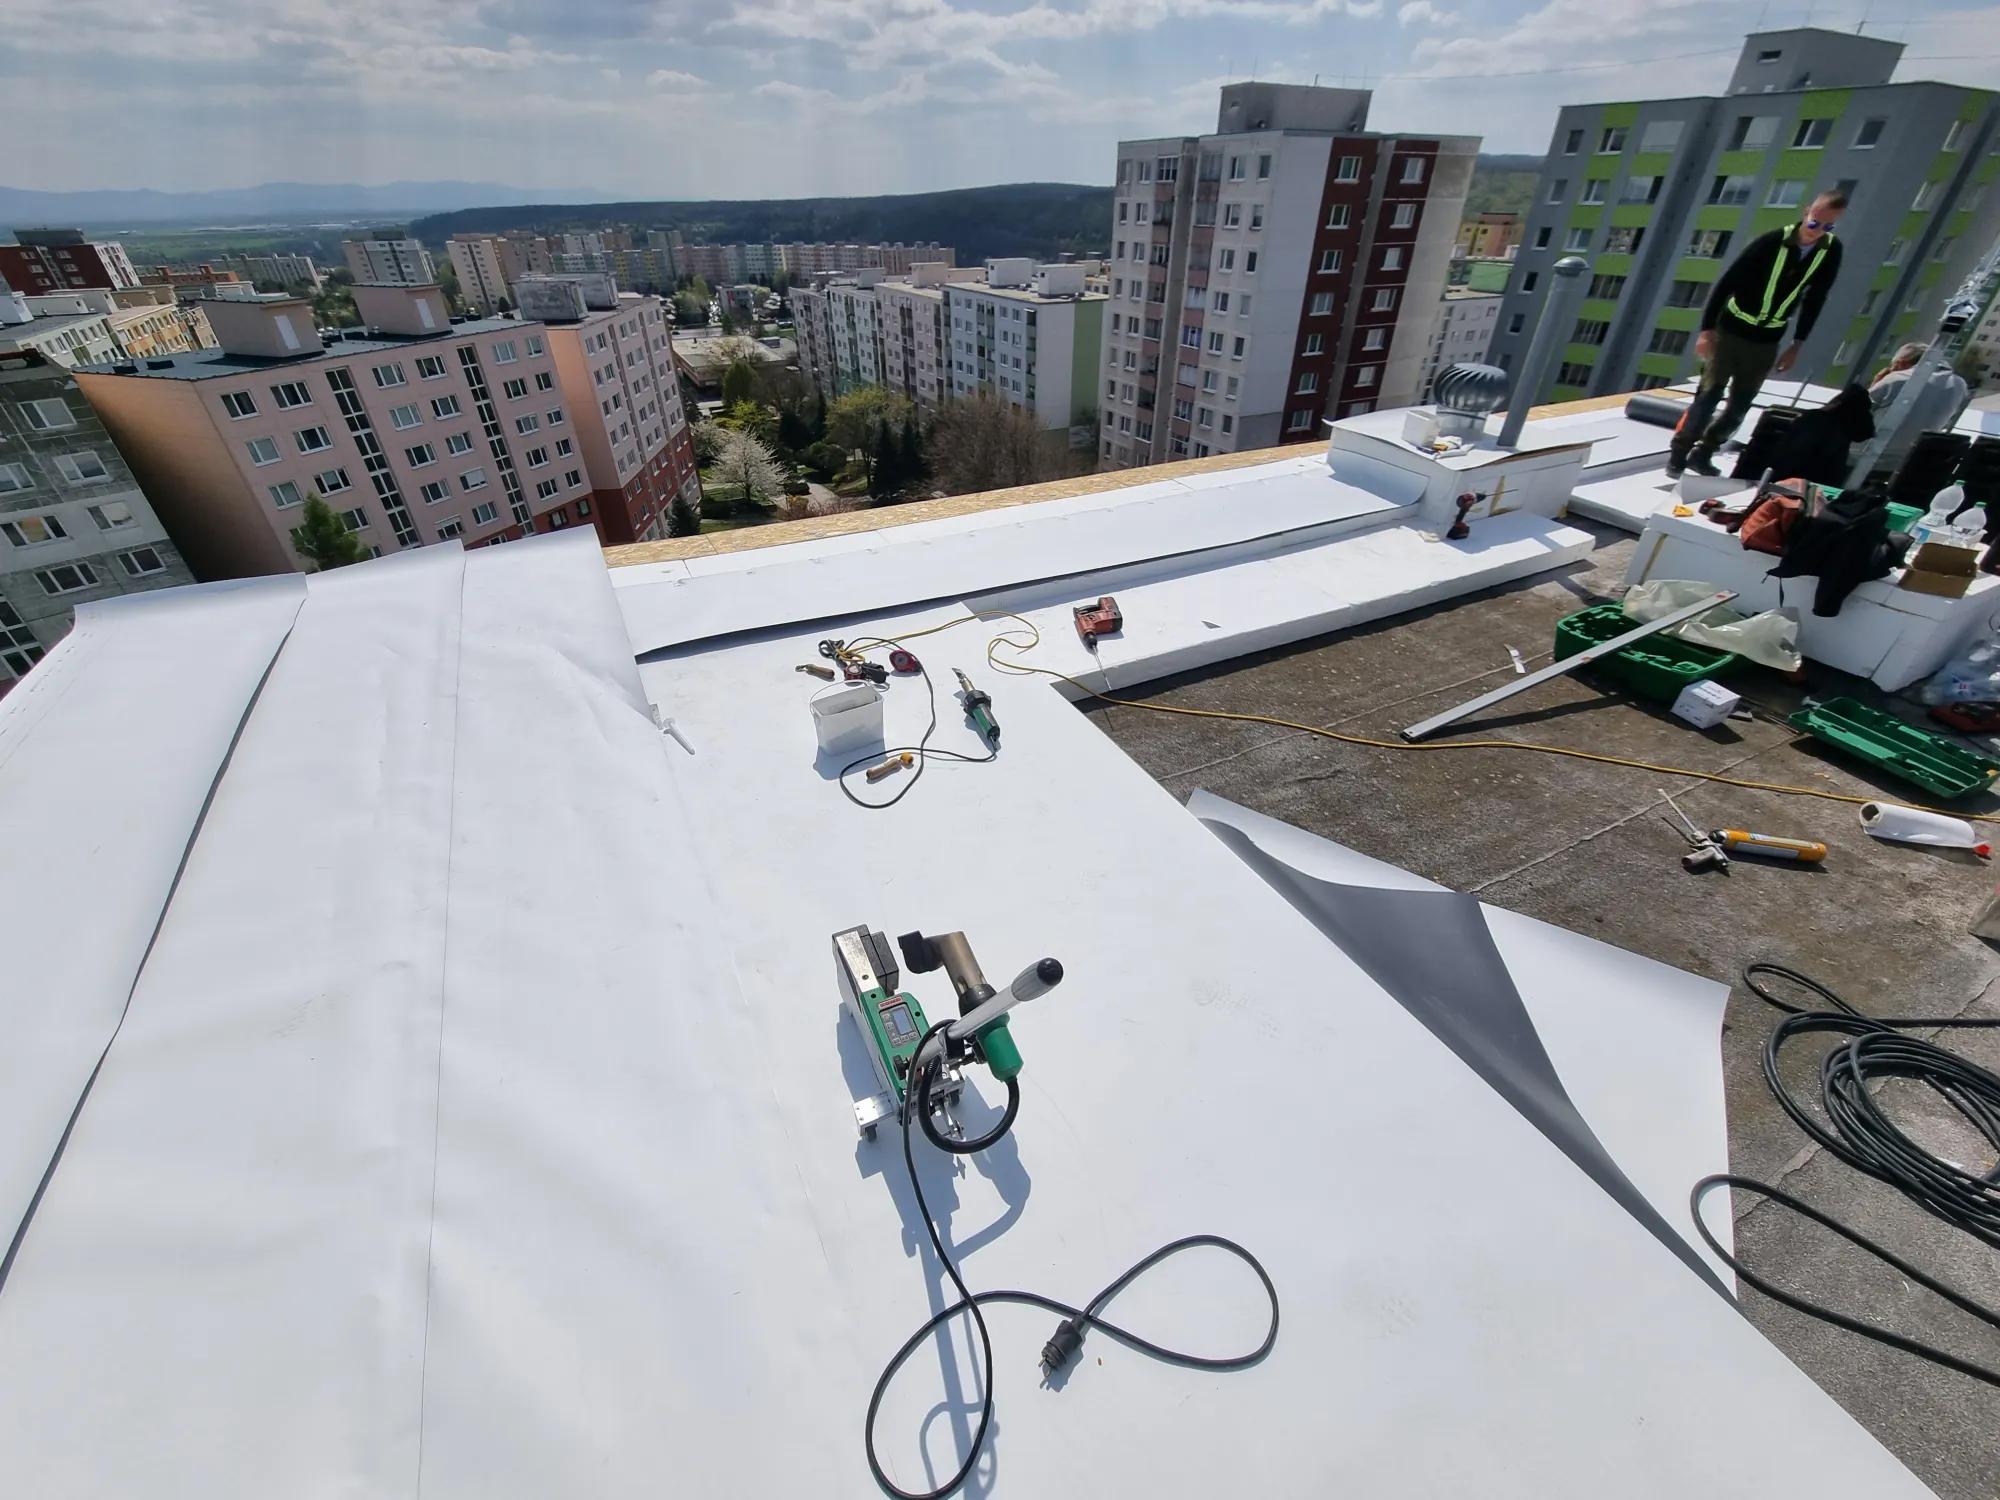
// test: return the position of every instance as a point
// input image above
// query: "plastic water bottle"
(1936, 521)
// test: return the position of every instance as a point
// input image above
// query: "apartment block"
(289, 273)
(389, 259)
(1980, 363)
(1464, 333)
(1029, 335)
(63, 328)
(415, 428)
(1285, 268)
(912, 331)
(57, 260)
(1659, 195)
(615, 363)
(486, 265)
(74, 526)
(1491, 235)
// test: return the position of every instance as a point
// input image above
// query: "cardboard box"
(1706, 704)
(1942, 569)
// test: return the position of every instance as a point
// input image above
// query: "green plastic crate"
(1903, 517)
(1657, 667)
(1902, 749)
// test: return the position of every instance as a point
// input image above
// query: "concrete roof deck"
(205, 364)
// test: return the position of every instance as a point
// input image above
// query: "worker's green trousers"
(1740, 364)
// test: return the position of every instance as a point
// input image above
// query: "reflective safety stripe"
(1767, 316)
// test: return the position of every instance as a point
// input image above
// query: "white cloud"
(1423, 13)
(673, 78)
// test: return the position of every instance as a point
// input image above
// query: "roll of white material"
(1908, 825)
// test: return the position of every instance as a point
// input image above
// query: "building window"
(313, 439)
(1529, 280)
(1893, 256)
(537, 457)
(1385, 300)
(1225, 260)
(1687, 294)
(1622, 241)
(1264, 165)
(1413, 169)
(1578, 239)
(1753, 132)
(1339, 216)
(1308, 382)
(449, 529)
(472, 479)
(1731, 192)
(1927, 196)
(110, 515)
(388, 375)
(420, 455)
(1300, 420)
(1322, 304)
(1612, 141)
(1668, 341)
(1786, 192)
(1661, 135)
(555, 416)
(1590, 331)
(1640, 190)
(142, 560)
(1365, 376)
(1593, 189)
(1570, 373)
(1870, 133)
(262, 451)
(402, 418)
(47, 416)
(1403, 216)
(1315, 343)
(1349, 169)
(505, 352)
(572, 478)
(67, 579)
(1249, 262)
(332, 481)
(285, 494)
(1236, 347)
(1375, 338)
(1543, 235)
(32, 531)
(1235, 169)
(1811, 134)
(1392, 258)
(484, 513)
(435, 491)
(430, 367)
(444, 406)
(1232, 215)
(82, 468)
(514, 390)
(548, 489)
(544, 381)
(1709, 244)
(1558, 188)
(1954, 136)
(458, 442)
(1329, 262)
(1572, 143)
(239, 404)
(291, 393)
(1607, 286)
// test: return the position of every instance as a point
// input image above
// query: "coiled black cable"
(1858, 1132)
(1076, 1319)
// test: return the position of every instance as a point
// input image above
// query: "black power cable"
(921, 751)
(1864, 1137)
(1068, 1337)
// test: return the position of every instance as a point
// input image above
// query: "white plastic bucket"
(847, 719)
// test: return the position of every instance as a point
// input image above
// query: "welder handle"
(1037, 979)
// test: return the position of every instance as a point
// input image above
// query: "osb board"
(748, 538)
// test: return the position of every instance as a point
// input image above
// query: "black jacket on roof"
(1750, 272)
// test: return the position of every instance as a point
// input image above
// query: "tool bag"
(1769, 519)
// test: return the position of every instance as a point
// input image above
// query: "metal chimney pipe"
(1557, 307)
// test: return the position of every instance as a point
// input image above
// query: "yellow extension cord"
(1013, 642)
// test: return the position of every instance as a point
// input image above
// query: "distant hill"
(111, 207)
(1042, 219)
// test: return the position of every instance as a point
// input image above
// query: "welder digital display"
(896, 1021)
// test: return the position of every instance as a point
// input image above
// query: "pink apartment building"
(414, 428)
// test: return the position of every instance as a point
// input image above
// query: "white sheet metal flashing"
(482, 1121)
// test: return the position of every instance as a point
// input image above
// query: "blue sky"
(783, 98)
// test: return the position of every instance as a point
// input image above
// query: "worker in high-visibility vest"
(1781, 277)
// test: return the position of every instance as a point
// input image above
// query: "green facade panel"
(1651, 163)
(1975, 104)
(1767, 219)
(1988, 169)
(1668, 365)
(1632, 215)
(1686, 319)
(1912, 226)
(1611, 265)
(1580, 354)
(1697, 268)
(1824, 104)
(1945, 167)
(1597, 309)
(1804, 165)
(1740, 163)
(1586, 216)
(1622, 114)
(1566, 393)
(1717, 216)
(1884, 278)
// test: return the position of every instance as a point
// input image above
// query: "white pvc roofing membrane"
(481, 1120)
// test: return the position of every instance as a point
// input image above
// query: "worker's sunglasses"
(1820, 223)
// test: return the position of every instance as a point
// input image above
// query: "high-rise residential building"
(389, 258)
(487, 264)
(413, 428)
(1464, 332)
(1031, 336)
(1489, 234)
(1286, 268)
(615, 364)
(1022, 333)
(57, 260)
(287, 273)
(1980, 363)
(64, 328)
(74, 527)
(1659, 195)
